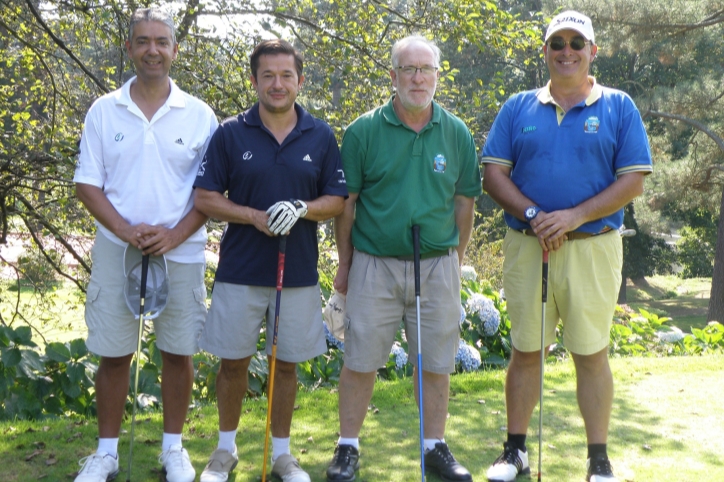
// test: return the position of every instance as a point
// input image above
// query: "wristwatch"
(531, 212)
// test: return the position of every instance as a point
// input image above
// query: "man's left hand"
(284, 214)
(157, 240)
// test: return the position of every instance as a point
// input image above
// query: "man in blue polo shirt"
(563, 161)
(275, 162)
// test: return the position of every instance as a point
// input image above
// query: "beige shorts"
(381, 294)
(237, 312)
(584, 277)
(113, 330)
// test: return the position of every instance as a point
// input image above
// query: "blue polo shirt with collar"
(560, 159)
(245, 160)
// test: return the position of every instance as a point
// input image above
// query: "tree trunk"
(716, 298)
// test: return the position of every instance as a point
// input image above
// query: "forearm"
(624, 190)
(190, 223)
(217, 206)
(324, 207)
(96, 202)
(343, 232)
(464, 219)
(499, 186)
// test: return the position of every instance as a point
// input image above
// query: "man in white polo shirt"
(140, 152)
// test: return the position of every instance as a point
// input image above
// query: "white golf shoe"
(98, 468)
(176, 465)
(286, 468)
(511, 463)
(221, 463)
(598, 469)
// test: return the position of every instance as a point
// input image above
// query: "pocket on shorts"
(200, 295)
(91, 295)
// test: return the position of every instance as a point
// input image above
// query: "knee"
(176, 361)
(285, 369)
(234, 368)
(525, 360)
(115, 363)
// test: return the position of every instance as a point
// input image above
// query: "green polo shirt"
(404, 178)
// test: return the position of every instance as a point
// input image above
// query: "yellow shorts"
(584, 277)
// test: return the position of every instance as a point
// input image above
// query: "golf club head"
(157, 283)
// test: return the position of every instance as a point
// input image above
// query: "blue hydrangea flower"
(400, 355)
(468, 273)
(331, 339)
(468, 357)
(484, 308)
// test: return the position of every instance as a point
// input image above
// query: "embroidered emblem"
(439, 163)
(119, 137)
(307, 158)
(202, 167)
(528, 129)
(179, 141)
(591, 125)
(246, 156)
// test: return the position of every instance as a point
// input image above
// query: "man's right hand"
(259, 220)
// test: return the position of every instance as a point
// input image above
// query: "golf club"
(416, 262)
(542, 359)
(272, 362)
(144, 276)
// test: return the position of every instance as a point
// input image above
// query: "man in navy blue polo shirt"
(280, 168)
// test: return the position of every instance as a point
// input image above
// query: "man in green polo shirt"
(407, 162)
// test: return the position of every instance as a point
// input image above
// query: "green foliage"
(696, 255)
(37, 268)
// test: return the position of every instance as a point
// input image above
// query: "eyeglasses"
(411, 70)
(577, 43)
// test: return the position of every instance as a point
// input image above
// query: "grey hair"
(152, 15)
(401, 44)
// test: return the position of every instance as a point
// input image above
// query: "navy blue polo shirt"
(245, 161)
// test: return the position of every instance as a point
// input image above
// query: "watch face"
(531, 212)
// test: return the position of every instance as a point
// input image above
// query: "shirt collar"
(175, 97)
(544, 94)
(388, 112)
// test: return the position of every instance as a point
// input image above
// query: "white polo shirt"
(147, 168)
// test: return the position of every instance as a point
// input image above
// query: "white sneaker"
(598, 469)
(176, 465)
(287, 469)
(98, 468)
(509, 465)
(221, 463)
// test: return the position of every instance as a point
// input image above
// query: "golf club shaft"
(272, 361)
(416, 262)
(144, 276)
(544, 298)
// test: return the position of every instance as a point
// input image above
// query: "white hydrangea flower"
(400, 355)
(331, 338)
(468, 273)
(468, 357)
(485, 309)
(502, 293)
(672, 336)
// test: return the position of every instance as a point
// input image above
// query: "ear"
(594, 51)
(253, 80)
(301, 80)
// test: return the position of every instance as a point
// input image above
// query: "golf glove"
(284, 214)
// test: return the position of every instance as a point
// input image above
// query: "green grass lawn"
(685, 301)
(666, 426)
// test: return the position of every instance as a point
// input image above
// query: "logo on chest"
(439, 163)
(591, 125)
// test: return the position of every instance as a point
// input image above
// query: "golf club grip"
(545, 277)
(416, 256)
(144, 276)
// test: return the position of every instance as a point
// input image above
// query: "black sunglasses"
(577, 43)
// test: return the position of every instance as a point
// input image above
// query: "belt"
(429, 254)
(572, 235)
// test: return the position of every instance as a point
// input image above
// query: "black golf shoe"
(343, 465)
(599, 469)
(441, 462)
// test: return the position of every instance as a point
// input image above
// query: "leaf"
(59, 352)
(11, 357)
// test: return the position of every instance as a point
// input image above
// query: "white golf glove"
(284, 214)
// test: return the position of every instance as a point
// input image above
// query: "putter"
(272, 363)
(416, 257)
(144, 276)
(542, 359)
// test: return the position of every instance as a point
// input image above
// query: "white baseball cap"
(157, 281)
(571, 20)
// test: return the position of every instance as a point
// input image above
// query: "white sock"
(280, 446)
(430, 443)
(354, 442)
(227, 441)
(169, 440)
(108, 445)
